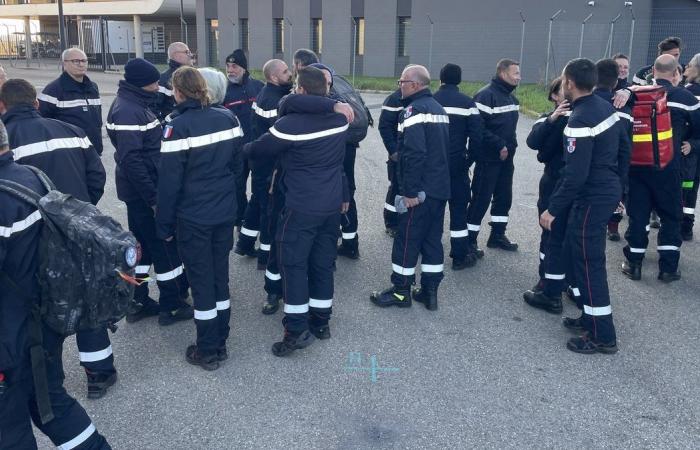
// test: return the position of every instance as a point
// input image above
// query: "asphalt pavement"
(484, 371)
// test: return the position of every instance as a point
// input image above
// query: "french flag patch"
(570, 145)
(168, 131)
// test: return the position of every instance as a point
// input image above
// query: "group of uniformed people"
(187, 140)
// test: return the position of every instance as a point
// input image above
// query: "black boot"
(292, 342)
(206, 362)
(185, 312)
(668, 277)
(687, 235)
(349, 248)
(632, 270)
(99, 382)
(613, 233)
(500, 240)
(427, 296)
(587, 345)
(542, 301)
(272, 304)
(141, 309)
(245, 248)
(393, 296)
(574, 324)
(322, 332)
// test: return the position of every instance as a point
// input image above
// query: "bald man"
(424, 188)
(661, 190)
(74, 98)
(179, 55)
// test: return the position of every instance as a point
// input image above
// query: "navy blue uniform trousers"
(306, 246)
(273, 278)
(459, 202)
(204, 250)
(419, 234)
(255, 223)
(492, 181)
(391, 218)
(71, 426)
(348, 221)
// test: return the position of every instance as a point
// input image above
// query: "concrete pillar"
(27, 40)
(78, 22)
(138, 37)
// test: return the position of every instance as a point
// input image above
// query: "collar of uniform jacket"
(664, 83)
(20, 112)
(69, 84)
(136, 94)
(581, 100)
(500, 84)
(604, 94)
(282, 89)
(449, 87)
(174, 65)
(411, 98)
(188, 104)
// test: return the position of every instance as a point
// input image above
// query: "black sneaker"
(632, 270)
(185, 312)
(497, 240)
(428, 297)
(321, 333)
(669, 277)
(542, 301)
(462, 263)
(291, 342)
(139, 310)
(272, 304)
(586, 345)
(392, 297)
(98, 383)
(573, 324)
(208, 362)
(348, 251)
(245, 250)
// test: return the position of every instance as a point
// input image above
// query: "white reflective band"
(668, 248)
(637, 80)
(166, 91)
(648, 228)
(247, 232)
(315, 303)
(541, 119)
(176, 272)
(262, 113)
(272, 276)
(593, 131)
(149, 126)
(622, 115)
(79, 439)
(431, 268)
(499, 219)
(471, 227)
(552, 276)
(201, 141)
(308, 136)
(389, 207)
(423, 118)
(567, 113)
(403, 270)
(597, 310)
(348, 236)
(576, 291)
(637, 250)
(459, 233)
(698, 97)
(69, 103)
(205, 315)
(461, 111)
(392, 108)
(497, 109)
(96, 356)
(169, 118)
(265, 247)
(20, 225)
(296, 309)
(688, 210)
(682, 106)
(48, 146)
(142, 269)
(542, 256)
(223, 305)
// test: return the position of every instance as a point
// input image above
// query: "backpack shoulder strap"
(45, 180)
(20, 191)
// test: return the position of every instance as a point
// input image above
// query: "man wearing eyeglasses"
(74, 98)
(179, 55)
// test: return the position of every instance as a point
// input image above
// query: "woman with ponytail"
(197, 204)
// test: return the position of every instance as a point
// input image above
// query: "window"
(402, 45)
(278, 35)
(244, 37)
(359, 31)
(317, 36)
(213, 36)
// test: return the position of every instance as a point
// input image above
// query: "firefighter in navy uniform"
(493, 174)
(546, 137)
(75, 99)
(163, 104)
(691, 177)
(20, 402)
(424, 186)
(136, 134)
(197, 202)
(661, 189)
(388, 123)
(466, 127)
(311, 147)
(669, 46)
(65, 154)
(590, 189)
(241, 93)
(623, 71)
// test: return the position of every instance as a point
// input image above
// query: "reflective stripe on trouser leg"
(459, 201)
(554, 261)
(222, 244)
(639, 206)
(502, 197)
(390, 215)
(432, 253)
(321, 272)
(485, 177)
(273, 278)
(667, 197)
(586, 236)
(95, 350)
(405, 248)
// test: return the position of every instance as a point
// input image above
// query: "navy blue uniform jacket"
(466, 124)
(499, 109)
(389, 121)
(545, 137)
(239, 99)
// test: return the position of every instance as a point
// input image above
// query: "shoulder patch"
(167, 131)
(408, 112)
(570, 144)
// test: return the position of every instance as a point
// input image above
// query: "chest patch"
(570, 144)
(168, 131)
(408, 112)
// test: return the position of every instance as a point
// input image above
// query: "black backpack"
(85, 261)
(357, 130)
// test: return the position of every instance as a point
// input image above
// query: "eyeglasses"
(400, 82)
(187, 52)
(77, 61)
